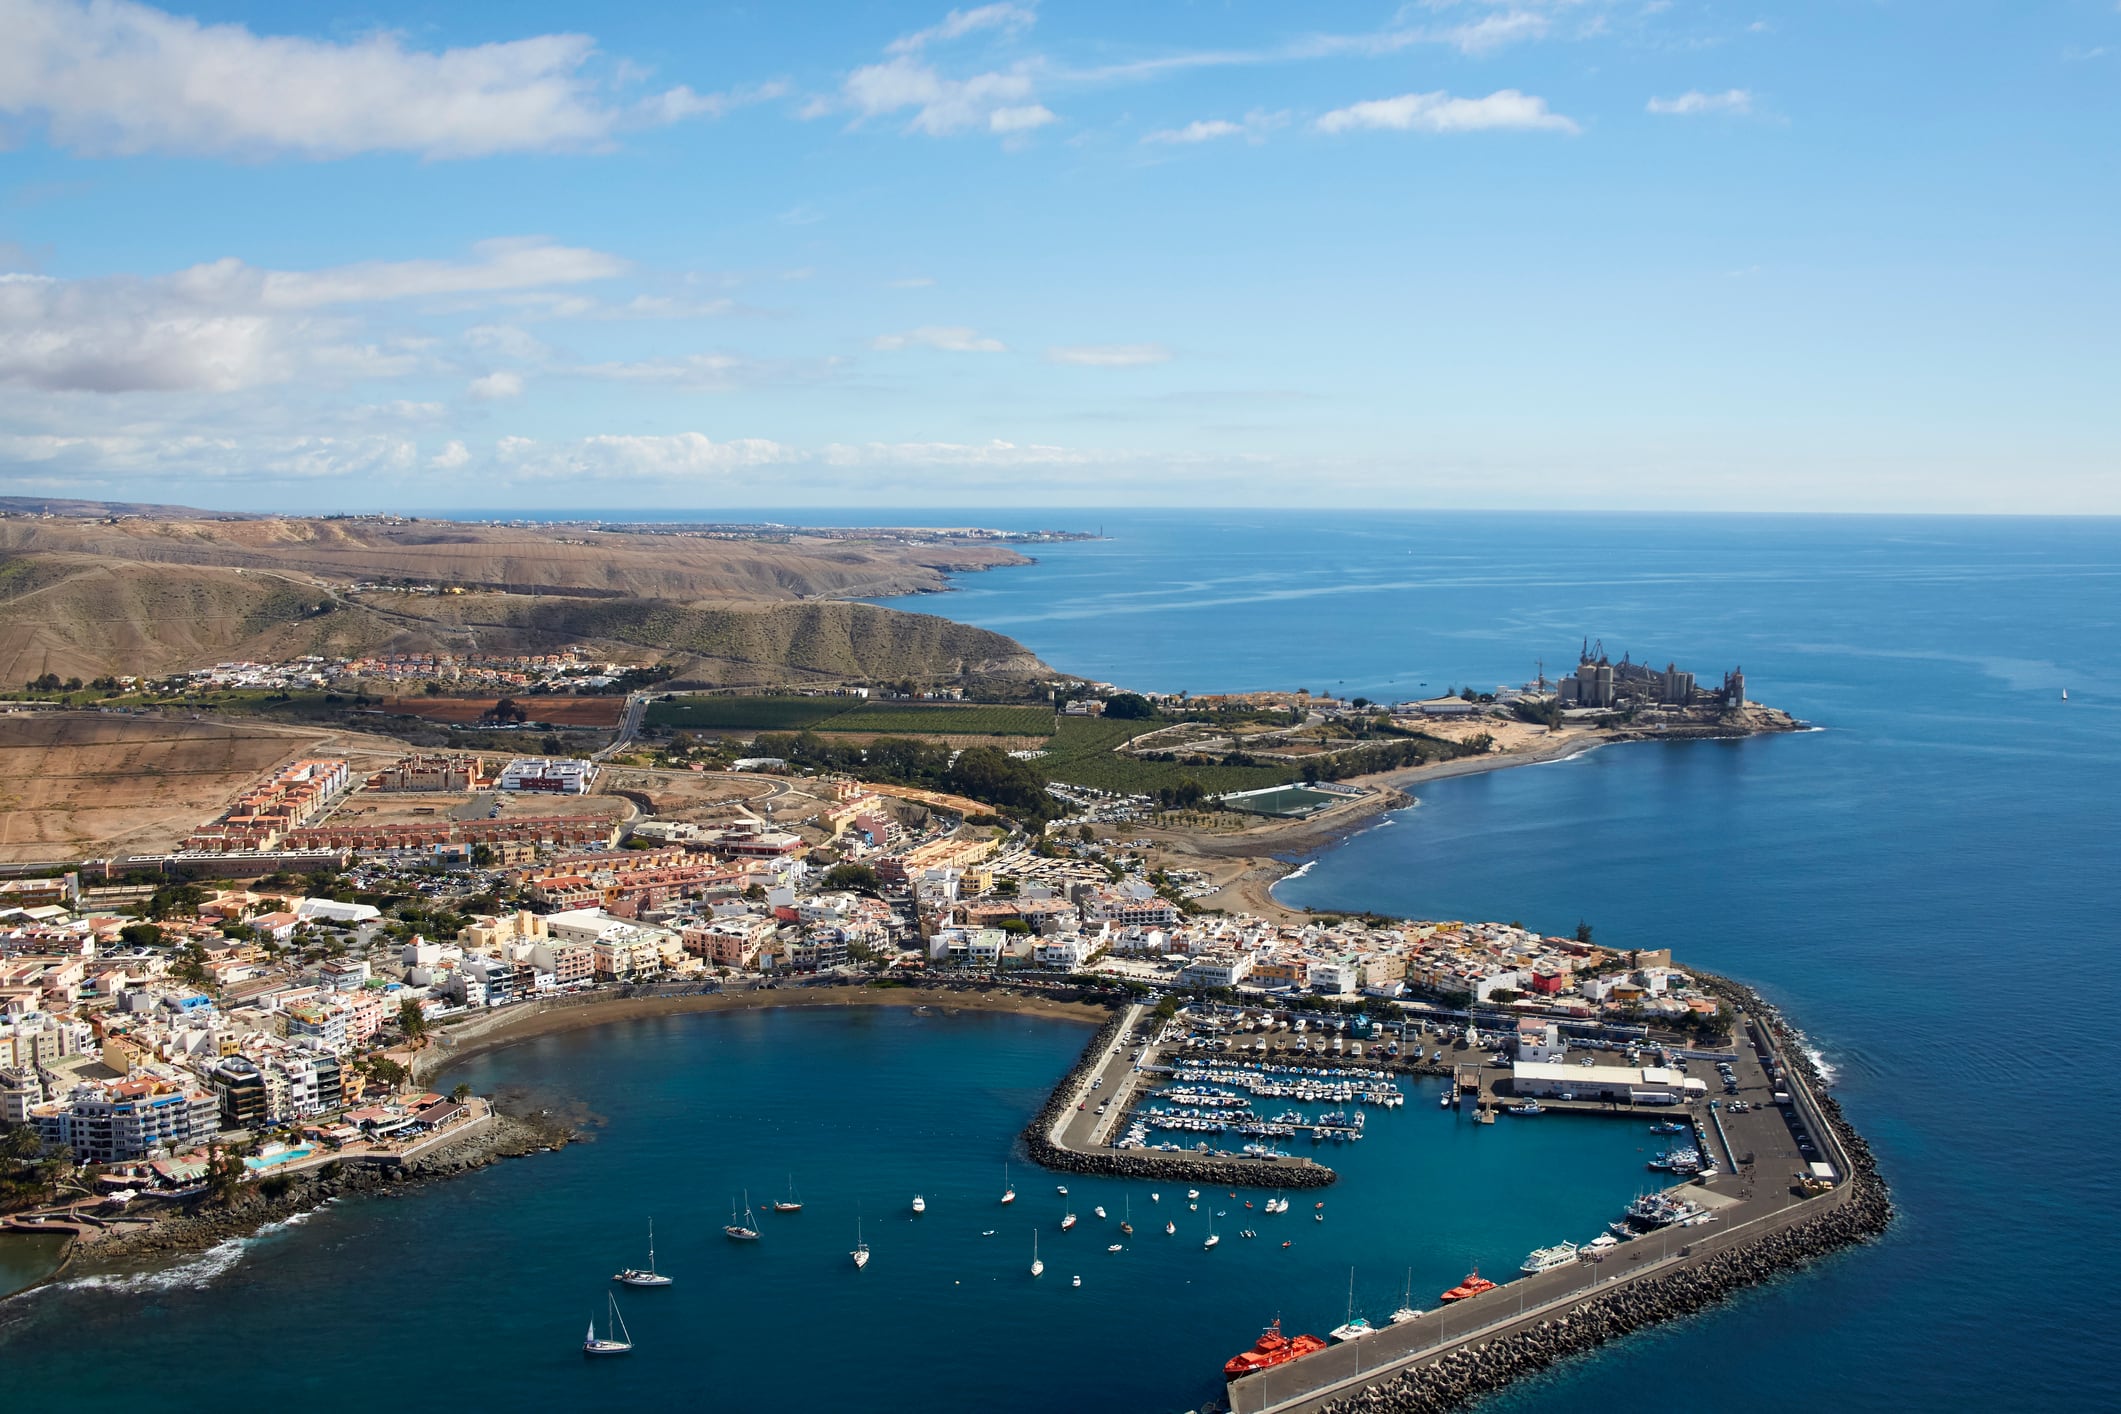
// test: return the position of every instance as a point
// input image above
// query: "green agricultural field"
(1082, 753)
(738, 714)
(943, 719)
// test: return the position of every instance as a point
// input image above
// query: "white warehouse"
(1623, 1084)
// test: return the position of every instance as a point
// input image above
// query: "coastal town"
(264, 1013)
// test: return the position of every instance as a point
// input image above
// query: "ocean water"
(474, 1294)
(1929, 883)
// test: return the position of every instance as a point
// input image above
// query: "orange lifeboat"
(1473, 1285)
(1271, 1349)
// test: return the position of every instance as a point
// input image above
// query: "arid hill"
(88, 595)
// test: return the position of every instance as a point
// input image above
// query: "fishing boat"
(611, 1344)
(1529, 1107)
(861, 1248)
(1355, 1327)
(744, 1230)
(1668, 1126)
(1546, 1259)
(1038, 1268)
(648, 1276)
(790, 1204)
(1407, 1310)
(1212, 1238)
(1473, 1285)
(1271, 1349)
(920, 1204)
(1008, 1188)
(1126, 1220)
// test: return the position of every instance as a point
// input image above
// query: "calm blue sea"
(1930, 884)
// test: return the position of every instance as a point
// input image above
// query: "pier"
(1760, 1221)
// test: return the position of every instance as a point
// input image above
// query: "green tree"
(461, 1093)
(852, 876)
(225, 1174)
(411, 1020)
(1583, 931)
(1129, 707)
(141, 935)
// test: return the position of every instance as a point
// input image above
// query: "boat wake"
(1297, 873)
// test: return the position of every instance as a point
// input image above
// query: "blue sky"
(1823, 254)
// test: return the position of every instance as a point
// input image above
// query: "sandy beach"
(552, 1019)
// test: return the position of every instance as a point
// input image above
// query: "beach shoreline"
(557, 1019)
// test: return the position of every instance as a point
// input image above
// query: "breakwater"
(1701, 1274)
(1218, 1169)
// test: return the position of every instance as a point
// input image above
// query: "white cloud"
(497, 387)
(999, 101)
(681, 456)
(452, 456)
(1735, 101)
(228, 325)
(111, 77)
(959, 23)
(1439, 112)
(1256, 126)
(1110, 355)
(270, 459)
(949, 338)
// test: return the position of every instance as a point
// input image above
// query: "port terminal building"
(1618, 1084)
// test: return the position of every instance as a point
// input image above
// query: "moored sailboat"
(612, 1343)
(1038, 1268)
(637, 1276)
(746, 1230)
(790, 1204)
(861, 1248)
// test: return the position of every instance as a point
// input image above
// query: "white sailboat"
(1126, 1219)
(611, 1344)
(1068, 1217)
(1355, 1327)
(861, 1248)
(1407, 1310)
(1170, 1228)
(1038, 1268)
(1008, 1188)
(636, 1276)
(1212, 1238)
(746, 1230)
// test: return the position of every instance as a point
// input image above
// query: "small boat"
(1318, 1217)
(988, 1233)
(1290, 1243)
(1529, 1107)
(1156, 1197)
(648, 1276)
(1075, 1281)
(1099, 1210)
(1115, 1247)
(1061, 1189)
(746, 1230)
(1212, 1238)
(1407, 1310)
(1170, 1228)
(861, 1248)
(1192, 1194)
(920, 1204)
(1473, 1285)
(1318, 1205)
(790, 1204)
(1126, 1221)
(619, 1344)
(1248, 1202)
(1067, 1221)
(1038, 1268)
(1192, 1207)
(1008, 1188)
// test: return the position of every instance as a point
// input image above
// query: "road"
(629, 725)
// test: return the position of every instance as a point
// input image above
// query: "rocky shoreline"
(1470, 1374)
(197, 1227)
(1219, 1171)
